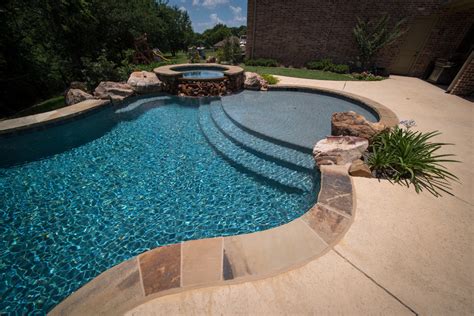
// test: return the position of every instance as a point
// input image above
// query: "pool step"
(282, 155)
(271, 171)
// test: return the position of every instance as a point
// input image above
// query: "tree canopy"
(45, 44)
(218, 33)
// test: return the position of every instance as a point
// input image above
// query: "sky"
(205, 14)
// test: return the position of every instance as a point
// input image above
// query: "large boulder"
(113, 90)
(253, 81)
(74, 96)
(143, 82)
(339, 150)
(353, 124)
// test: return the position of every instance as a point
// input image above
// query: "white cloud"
(182, 9)
(210, 4)
(215, 19)
(236, 10)
(195, 2)
(183, 1)
(237, 13)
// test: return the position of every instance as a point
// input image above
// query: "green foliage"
(327, 65)
(366, 76)
(263, 62)
(373, 35)
(270, 78)
(44, 45)
(407, 157)
(45, 106)
(298, 73)
(219, 32)
(231, 51)
(193, 56)
(99, 70)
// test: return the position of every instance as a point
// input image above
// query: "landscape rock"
(339, 150)
(78, 85)
(143, 82)
(358, 168)
(353, 124)
(204, 88)
(211, 60)
(74, 96)
(113, 90)
(254, 81)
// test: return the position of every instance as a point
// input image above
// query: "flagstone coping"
(177, 70)
(221, 260)
(50, 118)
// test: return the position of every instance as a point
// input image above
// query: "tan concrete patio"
(405, 253)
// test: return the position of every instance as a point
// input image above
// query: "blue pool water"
(79, 198)
(202, 74)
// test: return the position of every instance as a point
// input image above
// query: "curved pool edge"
(173, 71)
(222, 260)
(78, 110)
(11, 126)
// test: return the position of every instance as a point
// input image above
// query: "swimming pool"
(80, 197)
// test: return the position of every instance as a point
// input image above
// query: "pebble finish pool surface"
(83, 196)
(94, 192)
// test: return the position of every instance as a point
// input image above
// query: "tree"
(179, 32)
(231, 51)
(44, 45)
(216, 34)
(373, 35)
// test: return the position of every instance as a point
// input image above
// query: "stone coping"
(173, 70)
(386, 116)
(12, 126)
(221, 260)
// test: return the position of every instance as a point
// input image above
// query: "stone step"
(261, 168)
(282, 155)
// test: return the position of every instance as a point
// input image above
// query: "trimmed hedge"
(262, 62)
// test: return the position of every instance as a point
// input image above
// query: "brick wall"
(295, 32)
(444, 39)
(465, 83)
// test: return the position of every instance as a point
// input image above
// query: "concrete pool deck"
(404, 253)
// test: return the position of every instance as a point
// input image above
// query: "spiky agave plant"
(407, 157)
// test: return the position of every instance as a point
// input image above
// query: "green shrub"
(367, 76)
(261, 62)
(407, 157)
(327, 65)
(270, 78)
(232, 50)
(99, 70)
(340, 69)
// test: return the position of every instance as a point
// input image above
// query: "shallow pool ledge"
(386, 116)
(221, 260)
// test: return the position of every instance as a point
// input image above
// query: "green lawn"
(299, 73)
(45, 106)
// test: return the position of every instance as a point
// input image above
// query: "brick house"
(298, 31)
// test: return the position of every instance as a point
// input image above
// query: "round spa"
(201, 79)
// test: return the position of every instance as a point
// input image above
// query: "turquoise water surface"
(79, 198)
